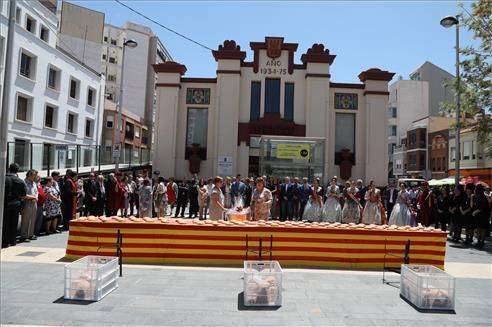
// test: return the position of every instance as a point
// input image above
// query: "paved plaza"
(32, 281)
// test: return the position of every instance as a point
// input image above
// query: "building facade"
(413, 100)
(218, 126)
(473, 161)
(134, 135)
(54, 98)
(81, 30)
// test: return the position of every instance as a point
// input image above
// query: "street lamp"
(448, 22)
(131, 44)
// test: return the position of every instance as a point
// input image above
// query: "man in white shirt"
(391, 194)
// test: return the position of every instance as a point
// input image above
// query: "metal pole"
(120, 107)
(7, 86)
(458, 103)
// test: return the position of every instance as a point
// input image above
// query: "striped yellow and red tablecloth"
(295, 244)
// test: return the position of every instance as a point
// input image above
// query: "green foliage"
(476, 72)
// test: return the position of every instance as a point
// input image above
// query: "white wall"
(36, 88)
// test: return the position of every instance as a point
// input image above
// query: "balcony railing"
(80, 158)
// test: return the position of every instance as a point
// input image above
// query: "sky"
(397, 36)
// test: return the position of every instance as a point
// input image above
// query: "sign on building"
(293, 151)
(116, 150)
(224, 166)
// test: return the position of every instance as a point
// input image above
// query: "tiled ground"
(32, 290)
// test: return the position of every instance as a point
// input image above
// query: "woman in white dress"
(332, 210)
(401, 214)
(312, 211)
(373, 211)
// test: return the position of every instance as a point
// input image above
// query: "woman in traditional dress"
(312, 211)
(401, 214)
(351, 208)
(332, 210)
(217, 208)
(261, 201)
(374, 212)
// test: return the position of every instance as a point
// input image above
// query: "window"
(392, 130)
(272, 95)
(289, 102)
(415, 77)
(453, 153)
(24, 108)
(74, 88)
(18, 14)
(344, 136)
(113, 42)
(111, 78)
(91, 97)
(112, 60)
(50, 116)
(137, 132)
(44, 34)
(27, 65)
(109, 121)
(106, 39)
(466, 150)
(197, 127)
(53, 78)
(104, 57)
(71, 123)
(30, 24)
(255, 100)
(88, 127)
(473, 150)
(392, 112)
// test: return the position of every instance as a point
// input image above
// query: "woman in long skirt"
(312, 211)
(401, 214)
(373, 210)
(332, 210)
(351, 208)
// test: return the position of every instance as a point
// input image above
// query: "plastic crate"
(427, 287)
(262, 283)
(91, 278)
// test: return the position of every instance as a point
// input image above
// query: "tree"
(476, 73)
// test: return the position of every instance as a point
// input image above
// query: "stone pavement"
(32, 284)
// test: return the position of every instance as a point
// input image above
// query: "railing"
(49, 157)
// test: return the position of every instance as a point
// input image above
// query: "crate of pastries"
(262, 283)
(91, 278)
(427, 287)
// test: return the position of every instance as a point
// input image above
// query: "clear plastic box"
(91, 278)
(262, 283)
(427, 287)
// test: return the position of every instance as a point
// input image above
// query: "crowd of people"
(47, 206)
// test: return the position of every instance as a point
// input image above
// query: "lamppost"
(447, 22)
(131, 44)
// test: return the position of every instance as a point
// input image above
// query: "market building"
(271, 116)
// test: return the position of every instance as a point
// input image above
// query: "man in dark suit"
(238, 190)
(100, 195)
(296, 199)
(15, 191)
(90, 195)
(286, 193)
(390, 196)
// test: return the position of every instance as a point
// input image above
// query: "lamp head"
(449, 21)
(130, 43)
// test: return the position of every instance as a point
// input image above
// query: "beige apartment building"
(271, 116)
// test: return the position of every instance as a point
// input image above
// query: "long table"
(295, 244)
